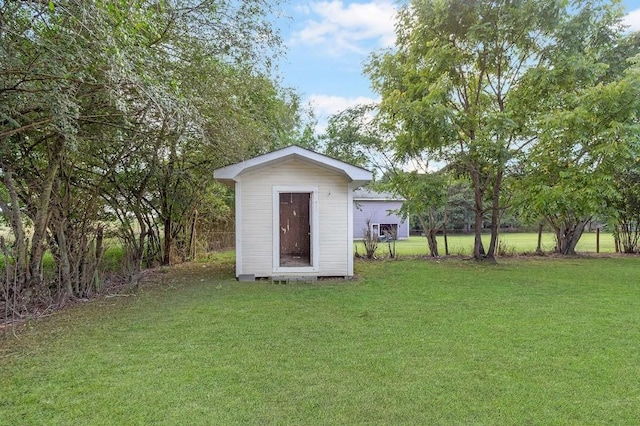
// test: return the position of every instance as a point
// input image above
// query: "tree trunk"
(495, 217)
(478, 193)
(43, 215)
(430, 234)
(99, 251)
(99, 244)
(539, 247)
(63, 261)
(20, 245)
(10, 285)
(444, 234)
(568, 235)
(192, 235)
(168, 241)
(627, 235)
(137, 246)
(167, 210)
(433, 243)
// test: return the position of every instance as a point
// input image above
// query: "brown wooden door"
(295, 229)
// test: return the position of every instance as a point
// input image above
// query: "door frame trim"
(314, 244)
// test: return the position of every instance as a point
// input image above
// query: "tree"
(624, 209)
(457, 84)
(120, 110)
(570, 173)
(425, 198)
(459, 205)
(586, 133)
(354, 137)
(59, 84)
(241, 114)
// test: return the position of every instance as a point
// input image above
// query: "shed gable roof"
(231, 173)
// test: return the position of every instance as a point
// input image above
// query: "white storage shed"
(294, 214)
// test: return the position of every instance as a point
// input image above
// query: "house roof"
(231, 174)
(371, 195)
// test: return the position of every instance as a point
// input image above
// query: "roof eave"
(231, 173)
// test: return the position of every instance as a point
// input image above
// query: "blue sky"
(329, 41)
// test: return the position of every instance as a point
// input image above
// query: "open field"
(527, 341)
(509, 243)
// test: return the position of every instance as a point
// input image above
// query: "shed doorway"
(295, 229)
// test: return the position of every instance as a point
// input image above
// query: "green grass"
(112, 260)
(510, 243)
(533, 341)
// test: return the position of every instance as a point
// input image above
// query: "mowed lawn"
(508, 244)
(528, 341)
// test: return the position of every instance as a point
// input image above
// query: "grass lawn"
(509, 243)
(527, 341)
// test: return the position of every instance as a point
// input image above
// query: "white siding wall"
(257, 217)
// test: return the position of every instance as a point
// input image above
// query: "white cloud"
(341, 27)
(325, 106)
(632, 20)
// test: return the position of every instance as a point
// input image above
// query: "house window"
(385, 231)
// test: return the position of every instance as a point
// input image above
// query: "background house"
(375, 211)
(294, 214)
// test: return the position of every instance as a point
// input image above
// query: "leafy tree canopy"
(483, 85)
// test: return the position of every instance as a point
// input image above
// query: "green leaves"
(355, 138)
(537, 87)
(127, 107)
